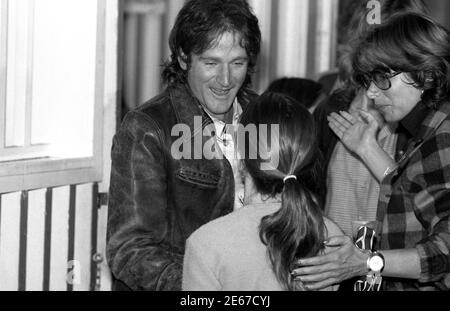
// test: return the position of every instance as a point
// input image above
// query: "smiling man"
(216, 75)
(157, 199)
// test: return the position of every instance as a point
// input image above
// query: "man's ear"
(182, 60)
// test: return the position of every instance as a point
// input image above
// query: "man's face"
(216, 75)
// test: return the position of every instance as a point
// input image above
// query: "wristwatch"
(375, 262)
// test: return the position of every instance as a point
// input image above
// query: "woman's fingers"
(371, 121)
(340, 123)
(348, 117)
(368, 117)
(343, 121)
(337, 130)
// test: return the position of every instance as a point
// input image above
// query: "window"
(51, 92)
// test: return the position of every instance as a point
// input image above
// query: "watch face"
(376, 263)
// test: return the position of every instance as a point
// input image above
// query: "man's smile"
(221, 92)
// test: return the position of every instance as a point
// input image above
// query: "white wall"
(47, 236)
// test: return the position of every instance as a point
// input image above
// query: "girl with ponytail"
(256, 247)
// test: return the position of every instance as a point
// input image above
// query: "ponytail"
(295, 231)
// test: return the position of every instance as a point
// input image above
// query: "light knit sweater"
(227, 253)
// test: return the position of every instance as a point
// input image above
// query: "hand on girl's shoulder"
(332, 228)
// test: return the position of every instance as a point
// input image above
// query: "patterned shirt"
(414, 206)
(225, 139)
(352, 190)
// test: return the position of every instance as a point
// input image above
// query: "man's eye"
(210, 63)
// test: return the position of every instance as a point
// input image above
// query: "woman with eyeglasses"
(404, 66)
(351, 189)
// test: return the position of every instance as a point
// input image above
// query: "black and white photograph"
(225, 150)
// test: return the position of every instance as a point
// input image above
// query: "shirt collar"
(413, 120)
(219, 124)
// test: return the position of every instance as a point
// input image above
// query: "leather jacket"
(155, 200)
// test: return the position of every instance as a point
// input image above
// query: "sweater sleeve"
(198, 271)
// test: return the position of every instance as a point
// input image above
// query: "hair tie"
(289, 177)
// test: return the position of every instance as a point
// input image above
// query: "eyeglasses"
(381, 79)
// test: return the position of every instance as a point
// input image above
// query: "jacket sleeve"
(137, 251)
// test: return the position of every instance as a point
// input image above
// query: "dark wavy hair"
(305, 91)
(297, 229)
(198, 26)
(411, 43)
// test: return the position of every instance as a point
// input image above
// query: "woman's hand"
(358, 134)
(343, 263)
(362, 102)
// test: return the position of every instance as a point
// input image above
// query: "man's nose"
(223, 77)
